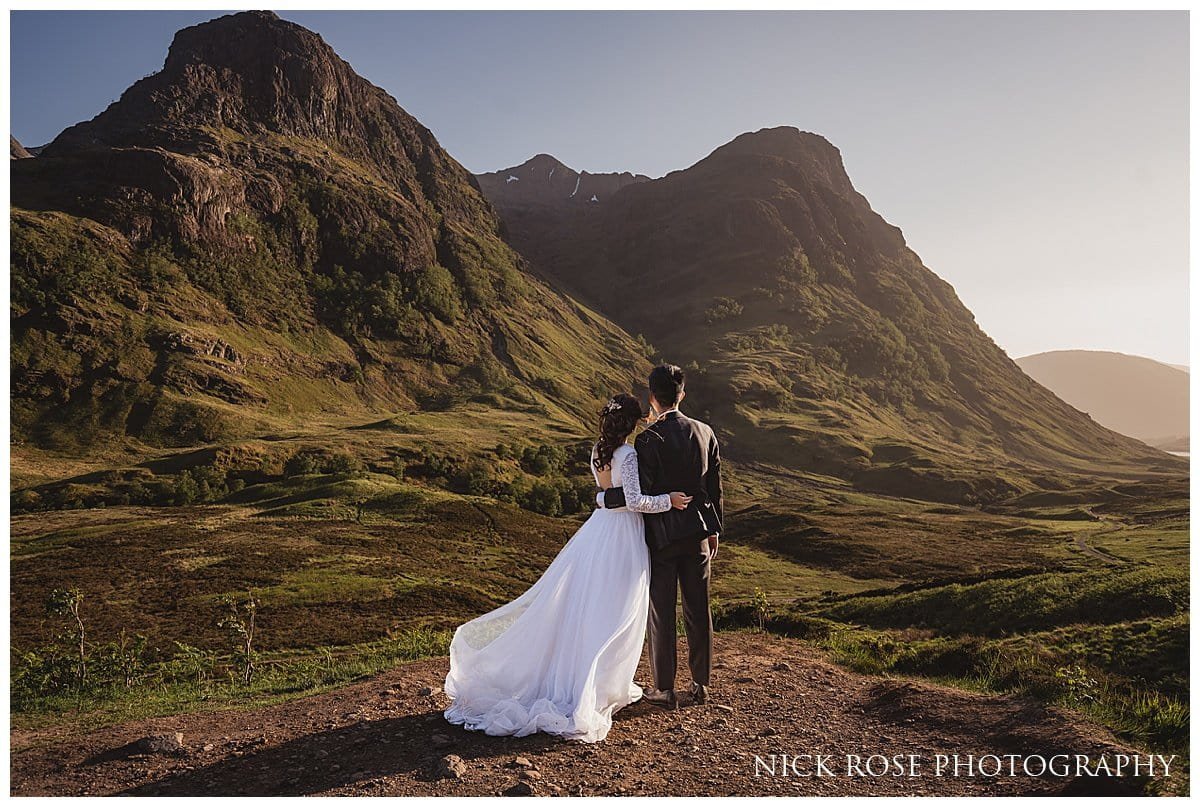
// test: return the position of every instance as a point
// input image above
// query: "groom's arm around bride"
(678, 453)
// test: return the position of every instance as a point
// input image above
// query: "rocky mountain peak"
(283, 75)
(820, 159)
(546, 161)
(763, 264)
(225, 40)
(251, 73)
(545, 180)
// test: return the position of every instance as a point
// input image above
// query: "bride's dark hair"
(618, 418)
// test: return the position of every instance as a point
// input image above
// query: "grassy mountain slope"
(817, 338)
(256, 235)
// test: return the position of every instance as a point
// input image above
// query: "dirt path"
(1082, 544)
(383, 737)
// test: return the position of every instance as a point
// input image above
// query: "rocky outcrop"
(543, 180)
(244, 107)
(16, 151)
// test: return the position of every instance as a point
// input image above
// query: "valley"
(294, 394)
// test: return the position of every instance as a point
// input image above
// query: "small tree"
(124, 660)
(187, 491)
(543, 460)
(302, 464)
(342, 463)
(762, 608)
(239, 620)
(543, 498)
(63, 602)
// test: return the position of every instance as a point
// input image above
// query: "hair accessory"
(612, 407)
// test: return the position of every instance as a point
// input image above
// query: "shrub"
(722, 308)
(67, 603)
(239, 621)
(543, 460)
(433, 465)
(544, 498)
(186, 489)
(302, 464)
(24, 501)
(433, 290)
(342, 463)
(475, 479)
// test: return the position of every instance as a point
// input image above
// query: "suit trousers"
(681, 568)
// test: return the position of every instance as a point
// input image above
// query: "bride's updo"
(618, 419)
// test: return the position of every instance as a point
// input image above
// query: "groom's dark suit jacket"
(678, 453)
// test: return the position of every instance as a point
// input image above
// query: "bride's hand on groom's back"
(679, 500)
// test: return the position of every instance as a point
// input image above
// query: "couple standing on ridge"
(561, 657)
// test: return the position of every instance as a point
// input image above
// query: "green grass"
(1071, 675)
(189, 682)
(998, 598)
(1010, 606)
(742, 568)
(1159, 546)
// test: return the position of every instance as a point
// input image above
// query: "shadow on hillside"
(341, 757)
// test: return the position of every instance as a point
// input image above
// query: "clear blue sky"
(1036, 161)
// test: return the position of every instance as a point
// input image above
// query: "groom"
(677, 453)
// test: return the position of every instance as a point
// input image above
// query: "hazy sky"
(1038, 161)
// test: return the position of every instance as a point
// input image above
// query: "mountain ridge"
(763, 268)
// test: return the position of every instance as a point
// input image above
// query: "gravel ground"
(770, 695)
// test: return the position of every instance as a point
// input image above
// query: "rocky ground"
(386, 736)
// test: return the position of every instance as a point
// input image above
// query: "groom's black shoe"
(699, 693)
(660, 697)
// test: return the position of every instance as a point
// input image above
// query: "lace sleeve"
(632, 483)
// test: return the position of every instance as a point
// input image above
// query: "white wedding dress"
(561, 657)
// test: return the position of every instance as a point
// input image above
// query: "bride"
(560, 658)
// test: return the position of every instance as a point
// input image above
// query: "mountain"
(256, 234)
(16, 151)
(1183, 367)
(548, 207)
(1133, 395)
(543, 181)
(817, 338)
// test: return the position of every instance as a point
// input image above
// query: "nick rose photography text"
(986, 765)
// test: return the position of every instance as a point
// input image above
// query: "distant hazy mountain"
(1183, 367)
(549, 208)
(543, 180)
(1133, 395)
